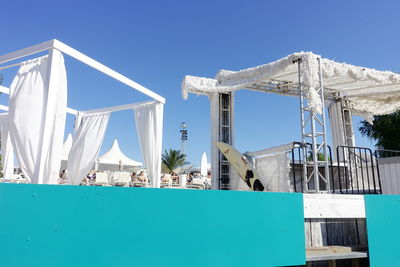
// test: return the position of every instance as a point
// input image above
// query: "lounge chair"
(101, 178)
(197, 183)
(121, 179)
(167, 181)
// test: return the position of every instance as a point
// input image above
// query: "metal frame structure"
(65, 49)
(225, 135)
(313, 131)
(343, 85)
(221, 110)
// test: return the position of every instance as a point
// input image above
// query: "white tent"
(114, 156)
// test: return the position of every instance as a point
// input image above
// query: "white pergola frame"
(65, 49)
(54, 44)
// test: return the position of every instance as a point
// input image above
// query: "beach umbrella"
(204, 165)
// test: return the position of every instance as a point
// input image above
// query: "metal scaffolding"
(225, 135)
(313, 133)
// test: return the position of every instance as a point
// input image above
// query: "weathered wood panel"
(389, 170)
(335, 232)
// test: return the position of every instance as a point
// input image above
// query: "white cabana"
(38, 97)
(115, 158)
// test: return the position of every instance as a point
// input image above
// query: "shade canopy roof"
(368, 91)
(115, 156)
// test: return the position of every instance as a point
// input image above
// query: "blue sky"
(156, 43)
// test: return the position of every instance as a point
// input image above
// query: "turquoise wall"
(383, 226)
(49, 225)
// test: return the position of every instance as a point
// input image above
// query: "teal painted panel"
(383, 227)
(50, 225)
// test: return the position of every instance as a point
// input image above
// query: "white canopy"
(115, 156)
(369, 91)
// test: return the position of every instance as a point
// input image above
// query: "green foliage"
(173, 159)
(385, 131)
(321, 157)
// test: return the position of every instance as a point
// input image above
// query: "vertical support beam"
(323, 137)
(225, 135)
(221, 113)
(214, 121)
(347, 118)
(313, 132)
(303, 127)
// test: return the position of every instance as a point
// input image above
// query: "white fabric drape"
(7, 152)
(236, 183)
(38, 99)
(274, 170)
(88, 138)
(336, 123)
(149, 126)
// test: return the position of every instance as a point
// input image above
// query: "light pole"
(184, 138)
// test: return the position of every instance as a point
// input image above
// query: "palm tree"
(173, 159)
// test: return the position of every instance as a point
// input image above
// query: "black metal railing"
(358, 171)
(297, 161)
(355, 171)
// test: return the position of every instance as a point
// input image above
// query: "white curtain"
(236, 183)
(88, 138)
(336, 123)
(38, 99)
(149, 127)
(274, 171)
(7, 152)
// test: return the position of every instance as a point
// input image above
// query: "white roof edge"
(56, 44)
(368, 90)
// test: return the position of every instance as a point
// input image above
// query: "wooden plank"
(393, 170)
(334, 232)
(362, 232)
(328, 249)
(333, 206)
(337, 256)
(396, 177)
(318, 233)
(384, 180)
(307, 231)
(349, 232)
